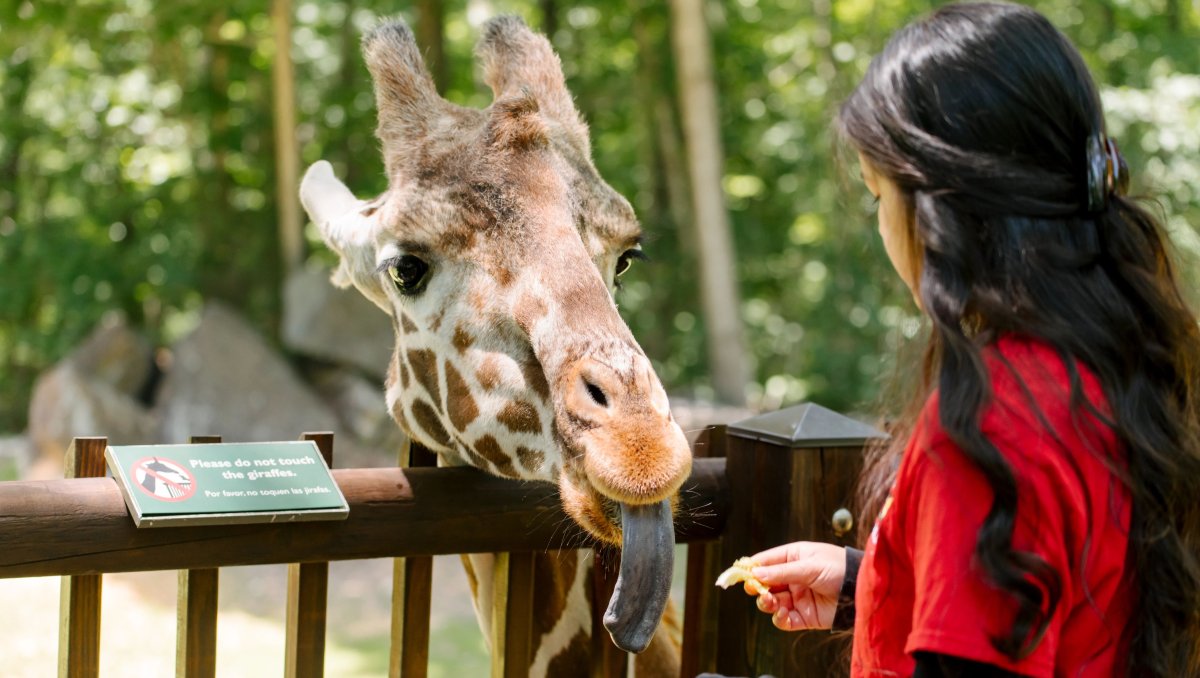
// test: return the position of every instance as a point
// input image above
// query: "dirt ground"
(137, 635)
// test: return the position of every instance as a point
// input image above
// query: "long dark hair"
(984, 114)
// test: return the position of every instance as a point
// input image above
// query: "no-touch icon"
(164, 479)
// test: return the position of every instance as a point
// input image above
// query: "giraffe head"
(495, 250)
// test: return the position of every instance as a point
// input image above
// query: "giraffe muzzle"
(644, 582)
(633, 451)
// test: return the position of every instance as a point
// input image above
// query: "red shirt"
(920, 587)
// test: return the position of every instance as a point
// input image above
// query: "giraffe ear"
(405, 95)
(324, 196)
(516, 60)
(344, 228)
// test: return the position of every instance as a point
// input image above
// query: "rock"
(336, 325)
(116, 355)
(361, 410)
(67, 402)
(16, 455)
(93, 392)
(225, 380)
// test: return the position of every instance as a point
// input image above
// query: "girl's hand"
(805, 579)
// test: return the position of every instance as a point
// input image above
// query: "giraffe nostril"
(596, 393)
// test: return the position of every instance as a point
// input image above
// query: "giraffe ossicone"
(495, 249)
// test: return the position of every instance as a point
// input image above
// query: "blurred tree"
(287, 162)
(718, 273)
(137, 166)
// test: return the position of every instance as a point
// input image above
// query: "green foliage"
(136, 163)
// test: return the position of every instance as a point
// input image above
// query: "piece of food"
(740, 572)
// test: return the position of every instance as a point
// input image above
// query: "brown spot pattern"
(405, 380)
(489, 373)
(530, 459)
(555, 572)
(535, 377)
(436, 325)
(456, 239)
(472, 581)
(424, 366)
(575, 660)
(521, 417)
(490, 450)
(407, 324)
(428, 419)
(399, 417)
(473, 458)
(462, 339)
(503, 275)
(459, 401)
(528, 310)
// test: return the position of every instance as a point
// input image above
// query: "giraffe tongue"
(644, 584)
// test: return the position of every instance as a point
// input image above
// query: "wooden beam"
(782, 492)
(196, 624)
(412, 593)
(68, 527)
(196, 615)
(512, 614)
(308, 592)
(608, 660)
(79, 602)
(699, 653)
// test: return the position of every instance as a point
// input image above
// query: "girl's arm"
(843, 620)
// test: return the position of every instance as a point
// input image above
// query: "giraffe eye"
(626, 260)
(409, 273)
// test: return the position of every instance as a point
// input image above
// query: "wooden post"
(699, 652)
(79, 603)
(308, 591)
(412, 588)
(512, 614)
(196, 615)
(788, 472)
(608, 660)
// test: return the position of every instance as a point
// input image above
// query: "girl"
(1040, 513)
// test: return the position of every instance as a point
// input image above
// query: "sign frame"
(170, 488)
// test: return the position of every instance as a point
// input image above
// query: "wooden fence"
(765, 481)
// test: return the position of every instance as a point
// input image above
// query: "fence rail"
(80, 526)
(761, 482)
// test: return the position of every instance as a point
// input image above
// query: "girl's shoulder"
(1044, 411)
(1033, 381)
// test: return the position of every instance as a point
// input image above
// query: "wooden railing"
(749, 489)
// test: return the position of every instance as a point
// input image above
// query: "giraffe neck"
(562, 623)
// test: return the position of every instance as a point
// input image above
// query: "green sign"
(225, 483)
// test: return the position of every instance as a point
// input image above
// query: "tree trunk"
(430, 38)
(668, 170)
(1174, 17)
(718, 277)
(287, 156)
(549, 18)
(346, 88)
(15, 88)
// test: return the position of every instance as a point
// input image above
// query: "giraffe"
(496, 249)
